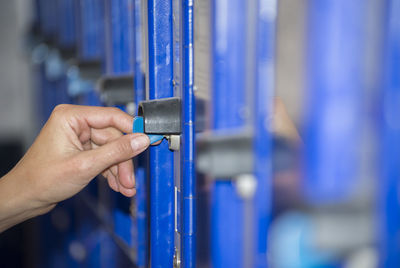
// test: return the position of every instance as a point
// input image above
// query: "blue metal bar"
(264, 60)
(109, 18)
(188, 174)
(389, 182)
(334, 84)
(115, 49)
(160, 75)
(126, 35)
(228, 101)
(142, 185)
(137, 41)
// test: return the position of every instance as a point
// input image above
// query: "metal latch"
(116, 90)
(161, 118)
(223, 155)
(228, 157)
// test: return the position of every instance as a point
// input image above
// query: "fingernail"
(139, 143)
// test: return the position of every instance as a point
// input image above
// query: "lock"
(161, 118)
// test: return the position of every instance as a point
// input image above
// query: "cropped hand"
(75, 145)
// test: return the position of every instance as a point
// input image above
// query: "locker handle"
(162, 117)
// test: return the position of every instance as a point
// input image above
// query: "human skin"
(75, 145)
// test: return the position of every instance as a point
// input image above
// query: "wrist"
(17, 202)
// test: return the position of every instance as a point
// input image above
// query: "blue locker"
(241, 81)
(218, 58)
(388, 198)
(67, 30)
(333, 115)
(118, 60)
(119, 36)
(263, 90)
(90, 30)
(228, 99)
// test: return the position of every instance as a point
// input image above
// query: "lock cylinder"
(160, 118)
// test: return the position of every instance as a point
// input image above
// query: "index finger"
(104, 117)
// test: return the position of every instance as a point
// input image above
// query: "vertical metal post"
(126, 36)
(333, 107)
(228, 106)
(160, 75)
(142, 184)
(389, 204)
(188, 173)
(264, 86)
(140, 92)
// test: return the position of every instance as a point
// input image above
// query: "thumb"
(117, 151)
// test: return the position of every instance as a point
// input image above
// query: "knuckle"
(60, 110)
(110, 135)
(114, 110)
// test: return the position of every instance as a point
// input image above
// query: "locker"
(200, 75)
(238, 93)
(334, 100)
(388, 202)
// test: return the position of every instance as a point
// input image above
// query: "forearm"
(16, 202)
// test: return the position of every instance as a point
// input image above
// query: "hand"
(76, 144)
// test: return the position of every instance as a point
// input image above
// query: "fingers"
(117, 184)
(106, 135)
(123, 172)
(97, 117)
(103, 117)
(112, 181)
(118, 152)
(128, 192)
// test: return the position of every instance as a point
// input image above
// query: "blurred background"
(19, 123)
(331, 197)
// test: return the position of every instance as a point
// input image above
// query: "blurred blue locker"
(335, 53)
(209, 202)
(388, 195)
(236, 83)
